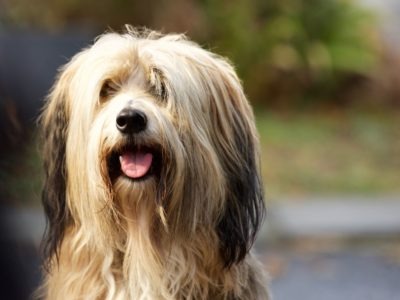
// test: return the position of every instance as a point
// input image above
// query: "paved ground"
(333, 216)
(346, 275)
(333, 248)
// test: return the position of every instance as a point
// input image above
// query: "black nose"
(131, 121)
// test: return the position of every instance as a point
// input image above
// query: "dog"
(152, 183)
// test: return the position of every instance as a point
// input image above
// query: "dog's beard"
(139, 172)
(136, 203)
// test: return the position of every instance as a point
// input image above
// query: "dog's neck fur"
(146, 262)
(185, 271)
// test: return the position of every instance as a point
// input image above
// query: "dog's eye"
(158, 85)
(108, 89)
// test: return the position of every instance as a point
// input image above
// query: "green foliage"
(53, 15)
(294, 47)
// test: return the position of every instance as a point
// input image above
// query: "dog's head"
(151, 125)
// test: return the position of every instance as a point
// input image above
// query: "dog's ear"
(237, 141)
(54, 127)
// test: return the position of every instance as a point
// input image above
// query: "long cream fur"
(171, 236)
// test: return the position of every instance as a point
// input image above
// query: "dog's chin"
(133, 163)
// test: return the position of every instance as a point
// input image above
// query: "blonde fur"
(168, 236)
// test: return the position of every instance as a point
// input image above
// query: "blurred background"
(323, 77)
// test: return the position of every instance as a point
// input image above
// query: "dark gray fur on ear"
(238, 150)
(244, 210)
(54, 126)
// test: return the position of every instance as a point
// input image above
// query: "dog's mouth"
(134, 162)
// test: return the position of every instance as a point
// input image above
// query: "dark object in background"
(20, 270)
(20, 266)
(28, 64)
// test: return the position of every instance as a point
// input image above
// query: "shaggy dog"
(152, 187)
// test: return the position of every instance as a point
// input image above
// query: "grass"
(346, 153)
(302, 155)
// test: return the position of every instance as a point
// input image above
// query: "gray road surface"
(342, 275)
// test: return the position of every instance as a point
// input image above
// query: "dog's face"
(157, 130)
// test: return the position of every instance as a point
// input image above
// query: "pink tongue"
(135, 164)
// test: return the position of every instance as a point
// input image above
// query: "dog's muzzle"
(133, 159)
